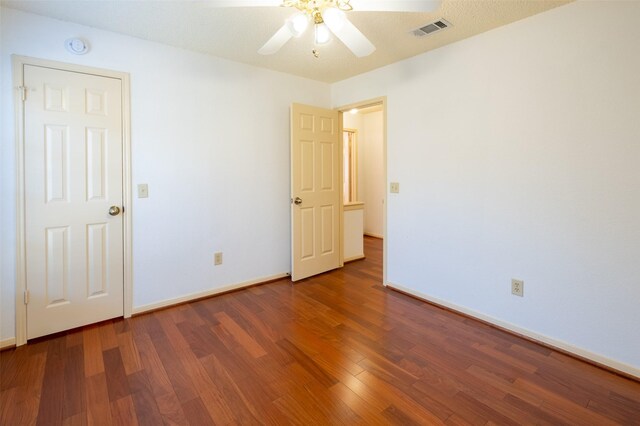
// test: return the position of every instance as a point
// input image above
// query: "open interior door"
(315, 191)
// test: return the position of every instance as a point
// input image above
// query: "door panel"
(327, 228)
(307, 219)
(56, 162)
(57, 265)
(315, 177)
(96, 163)
(327, 166)
(73, 174)
(97, 250)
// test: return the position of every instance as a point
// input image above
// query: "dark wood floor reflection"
(334, 349)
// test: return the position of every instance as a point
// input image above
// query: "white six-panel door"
(73, 175)
(315, 190)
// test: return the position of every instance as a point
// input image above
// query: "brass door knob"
(297, 201)
(114, 210)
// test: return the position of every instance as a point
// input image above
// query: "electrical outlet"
(217, 258)
(394, 188)
(517, 287)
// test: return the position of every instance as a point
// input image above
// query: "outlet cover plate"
(517, 287)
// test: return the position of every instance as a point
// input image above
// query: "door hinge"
(23, 92)
(26, 297)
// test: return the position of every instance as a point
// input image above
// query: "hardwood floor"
(334, 349)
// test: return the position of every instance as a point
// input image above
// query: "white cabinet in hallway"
(353, 231)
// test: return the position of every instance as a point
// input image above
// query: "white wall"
(209, 136)
(354, 122)
(518, 155)
(372, 155)
(371, 179)
(5, 188)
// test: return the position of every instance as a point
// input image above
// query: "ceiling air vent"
(431, 28)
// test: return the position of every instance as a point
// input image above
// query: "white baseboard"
(7, 343)
(199, 295)
(559, 344)
(352, 258)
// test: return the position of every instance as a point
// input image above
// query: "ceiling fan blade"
(395, 5)
(276, 41)
(342, 28)
(242, 3)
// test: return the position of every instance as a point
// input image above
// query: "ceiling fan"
(328, 17)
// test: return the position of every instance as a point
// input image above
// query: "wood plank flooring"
(334, 349)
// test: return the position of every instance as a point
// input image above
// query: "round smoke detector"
(77, 46)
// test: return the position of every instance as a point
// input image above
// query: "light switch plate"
(394, 188)
(143, 190)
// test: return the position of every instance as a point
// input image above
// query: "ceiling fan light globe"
(334, 17)
(298, 23)
(322, 34)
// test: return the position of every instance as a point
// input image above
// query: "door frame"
(18, 63)
(344, 109)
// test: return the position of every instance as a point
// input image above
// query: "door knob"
(114, 210)
(297, 201)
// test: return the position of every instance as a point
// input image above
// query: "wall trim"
(357, 205)
(191, 297)
(593, 358)
(354, 258)
(18, 63)
(7, 343)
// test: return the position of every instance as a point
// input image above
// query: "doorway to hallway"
(364, 176)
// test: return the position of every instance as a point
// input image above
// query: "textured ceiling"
(237, 33)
